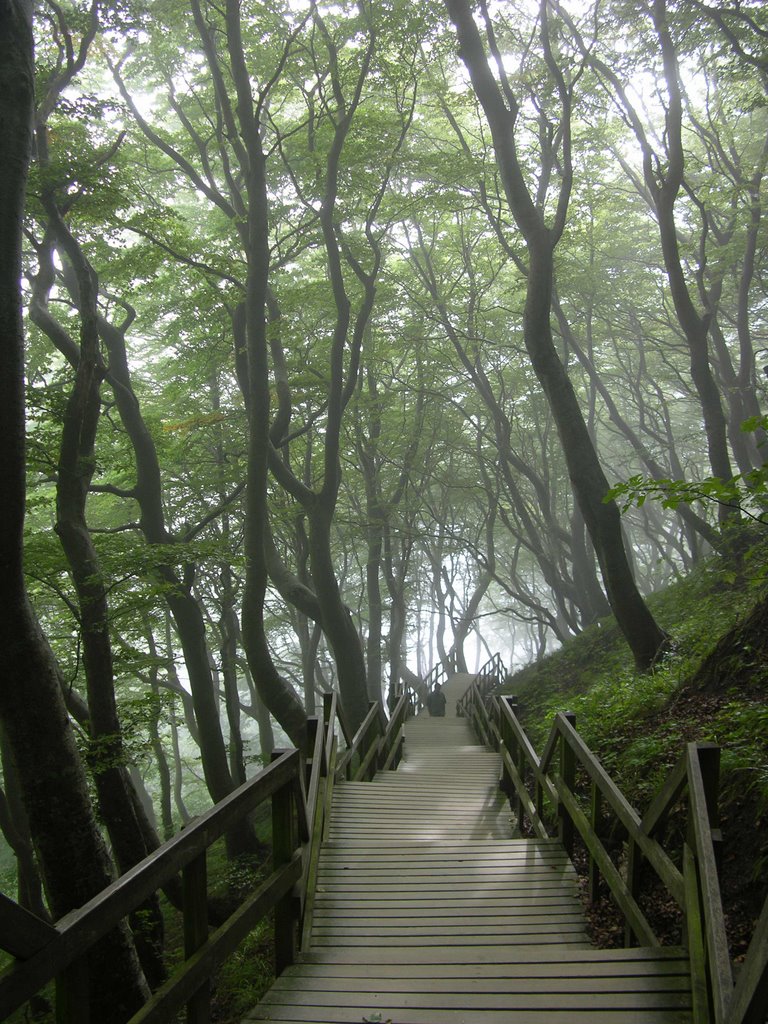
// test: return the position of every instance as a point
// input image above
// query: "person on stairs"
(436, 702)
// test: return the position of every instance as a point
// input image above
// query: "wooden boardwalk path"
(428, 911)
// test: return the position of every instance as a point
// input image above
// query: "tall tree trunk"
(276, 692)
(187, 614)
(643, 635)
(336, 619)
(15, 826)
(36, 727)
(130, 831)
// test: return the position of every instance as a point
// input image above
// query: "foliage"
(449, 477)
(637, 723)
(745, 492)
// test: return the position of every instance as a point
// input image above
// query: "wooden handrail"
(485, 679)
(361, 745)
(700, 834)
(751, 993)
(391, 746)
(301, 792)
(696, 889)
(82, 928)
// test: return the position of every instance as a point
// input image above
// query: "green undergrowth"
(711, 686)
(638, 722)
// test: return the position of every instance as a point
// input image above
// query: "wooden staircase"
(429, 910)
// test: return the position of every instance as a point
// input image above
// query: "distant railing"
(487, 679)
(417, 695)
(544, 793)
(300, 791)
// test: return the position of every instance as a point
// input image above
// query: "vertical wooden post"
(375, 732)
(693, 938)
(568, 775)
(634, 863)
(518, 757)
(507, 740)
(194, 881)
(594, 820)
(72, 994)
(283, 846)
(328, 724)
(312, 727)
(709, 760)
(521, 771)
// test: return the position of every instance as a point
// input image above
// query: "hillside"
(712, 686)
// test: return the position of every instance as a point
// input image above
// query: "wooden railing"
(416, 695)
(300, 791)
(567, 791)
(471, 704)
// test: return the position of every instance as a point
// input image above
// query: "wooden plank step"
(429, 853)
(477, 1000)
(429, 911)
(524, 847)
(488, 986)
(364, 1012)
(402, 916)
(380, 905)
(541, 956)
(576, 964)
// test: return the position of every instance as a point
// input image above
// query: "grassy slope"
(713, 686)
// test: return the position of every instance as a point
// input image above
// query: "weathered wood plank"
(574, 1001)
(751, 994)
(503, 953)
(560, 969)
(23, 933)
(540, 937)
(299, 1015)
(721, 978)
(467, 987)
(427, 910)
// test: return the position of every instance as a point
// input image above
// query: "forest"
(339, 341)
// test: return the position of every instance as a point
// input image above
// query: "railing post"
(313, 725)
(634, 863)
(194, 881)
(594, 819)
(507, 739)
(517, 754)
(709, 760)
(73, 995)
(522, 765)
(568, 775)
(283, 846)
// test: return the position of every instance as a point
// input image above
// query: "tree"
(73, 859)
(502, 109)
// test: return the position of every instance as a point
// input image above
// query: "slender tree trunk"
(186, 612)
(338, 626)
(163, 769)
(276, 692)
(15, 827)
(178, 770)
(130, 832)
(590, 486)
(656, 470)
(603, 521)
(40, 742)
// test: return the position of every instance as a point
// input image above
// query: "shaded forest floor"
(713, 686)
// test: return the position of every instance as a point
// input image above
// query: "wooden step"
(428, 911)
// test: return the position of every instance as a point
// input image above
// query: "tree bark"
(277, 694)
(603, 521)
(71, 853)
